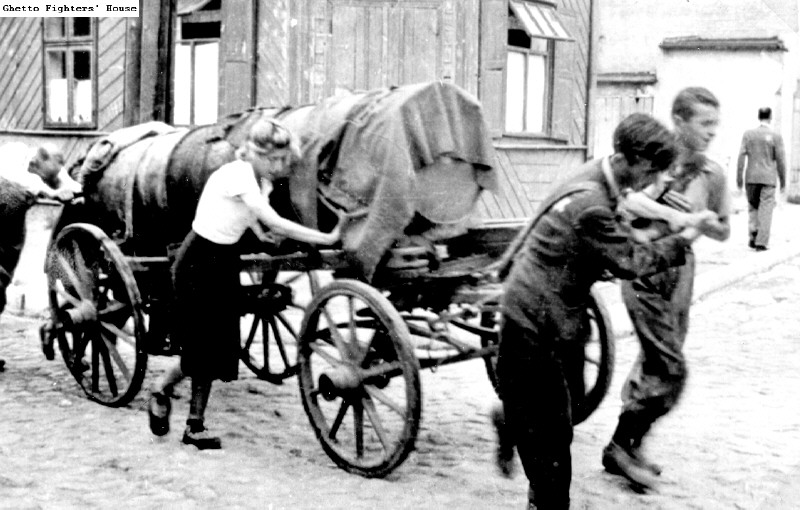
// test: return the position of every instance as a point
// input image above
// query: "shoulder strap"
(503, 266)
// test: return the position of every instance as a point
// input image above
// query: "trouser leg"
(5, 281)
(2, 297)
(536, 402)
(752, 192)
(657, 376)
(167, 382)
(660, 316)
(766, 206)
(2, 307)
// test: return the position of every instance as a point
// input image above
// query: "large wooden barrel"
(412, 160)
(142, 183)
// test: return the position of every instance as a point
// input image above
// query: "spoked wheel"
(490, 319)
(598, 361)
(270, 348)
(96, 314)
(359, 379)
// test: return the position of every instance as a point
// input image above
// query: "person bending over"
(206, 272)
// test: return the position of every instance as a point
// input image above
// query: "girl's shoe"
(158, 411)
(197, 435)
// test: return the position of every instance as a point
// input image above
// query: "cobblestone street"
(369, 187)
(733, 442)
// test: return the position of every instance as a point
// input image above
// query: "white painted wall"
(743, 82)
(630, 32)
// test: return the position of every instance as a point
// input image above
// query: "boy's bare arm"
(639, 204)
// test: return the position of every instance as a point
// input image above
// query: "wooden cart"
(355, 347)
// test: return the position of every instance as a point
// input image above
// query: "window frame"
(547, 107)
(69, 44)
(199, 16)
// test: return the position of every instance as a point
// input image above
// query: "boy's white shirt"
(16, 158)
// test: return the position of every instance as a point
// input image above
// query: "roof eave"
(723, 44)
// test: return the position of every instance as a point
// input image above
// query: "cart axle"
(84, 312)
(337, 381)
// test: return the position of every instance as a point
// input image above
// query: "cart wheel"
(274, 360)
(96, 314)
(490, 319)
(599, 359)
(359, 379)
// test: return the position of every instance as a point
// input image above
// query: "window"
(533, 29)
(529, 80)
(195, 86)
(69, 72)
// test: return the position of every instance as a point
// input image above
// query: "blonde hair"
(269, 134)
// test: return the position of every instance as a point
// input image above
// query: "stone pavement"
(733, 442)
(721, 264)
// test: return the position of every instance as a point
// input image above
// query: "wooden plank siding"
(10, 47)
(110, 73)
(22, 85)
(21, 81)
(467, 49)
(27, 98)
(570, 90)
(237, 53)
(274, 79)
(306, 50)
(526, 176)
(359, 45)
(578, 19)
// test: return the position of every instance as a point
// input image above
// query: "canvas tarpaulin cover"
(408, 160)
(398, 155)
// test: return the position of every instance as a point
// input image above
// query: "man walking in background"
(763, 156)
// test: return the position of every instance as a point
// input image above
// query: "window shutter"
(494, 36)
(237, 56)
(563, 91)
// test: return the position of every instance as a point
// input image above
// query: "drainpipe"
(133, 59)
(591, 82)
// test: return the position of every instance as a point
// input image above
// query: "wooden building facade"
(185, 62)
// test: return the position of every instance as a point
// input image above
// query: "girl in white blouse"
(206, 272)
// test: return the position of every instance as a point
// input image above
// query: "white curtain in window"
(82, 112)
(526, 76)
(181, 105)
(206, 83)
(515, 91)
(534, 112)
(57, 100)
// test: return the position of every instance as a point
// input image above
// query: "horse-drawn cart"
(409, 291)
